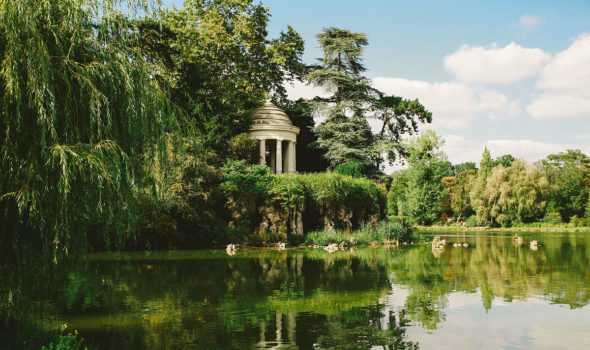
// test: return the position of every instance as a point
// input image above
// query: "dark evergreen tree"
(345, 134)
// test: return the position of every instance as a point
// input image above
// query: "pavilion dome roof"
(269, 114)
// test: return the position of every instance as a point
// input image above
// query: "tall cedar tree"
(345, 134)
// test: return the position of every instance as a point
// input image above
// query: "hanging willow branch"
(78, 113)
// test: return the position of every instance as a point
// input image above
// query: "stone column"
(279, 155)
(286, 158)
(294, 158)
(273, 158)
(262, 152)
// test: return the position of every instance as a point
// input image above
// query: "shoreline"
(421, 229)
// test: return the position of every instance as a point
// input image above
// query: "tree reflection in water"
(294, 298)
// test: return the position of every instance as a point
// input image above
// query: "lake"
(492, 294)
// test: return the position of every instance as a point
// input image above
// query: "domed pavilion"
(277, 137)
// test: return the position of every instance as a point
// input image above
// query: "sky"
(513, 76)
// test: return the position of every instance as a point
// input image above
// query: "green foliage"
(459, 168)
(241, 178)
(387, 231)
(250, 186)
(477, 192)
(328, 188)
(419, 191)
(553, 217)
(504, 160)
(65, 342)
(458, 189)
(325, 238)
(79, 112)
(486, 164)
(424, 147)
(515, 194)
(345, 134)
(569, 175)
(472, 221)
(215, 58)
(242, 147)
(396, 194)
(351, 168)
(349, 139)
(399, 230)
(576, 221)
(399, 117)
(504, 192)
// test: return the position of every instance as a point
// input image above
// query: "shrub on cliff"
(328, 200)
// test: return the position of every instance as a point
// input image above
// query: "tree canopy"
(79, 112)
(216, 59)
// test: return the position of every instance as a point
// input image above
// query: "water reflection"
(364, 298)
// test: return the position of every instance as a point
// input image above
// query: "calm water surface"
(489, 295)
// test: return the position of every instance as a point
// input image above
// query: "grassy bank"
(385, 233)
(454, 229)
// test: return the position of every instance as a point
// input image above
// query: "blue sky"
(510, 75)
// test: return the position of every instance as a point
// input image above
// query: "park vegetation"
(121, 129)
(123, 126)
(502, 192)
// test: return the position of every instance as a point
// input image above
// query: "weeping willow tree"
(80, 120)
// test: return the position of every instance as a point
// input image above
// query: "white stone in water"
(231, 249)
(330, 248)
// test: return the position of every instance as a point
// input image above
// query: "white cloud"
(460, 149)
(559, 106)
(565, 82)
(495, 65)
(297, 90)
(529, 22)
(570, 69)
(454, 105)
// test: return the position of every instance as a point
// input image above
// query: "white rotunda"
(277, 137)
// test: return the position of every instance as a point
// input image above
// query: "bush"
(472, 221)
(324, 238)
(65, 342)
(242, 147)
(346, 200)
(576, 221)
(351, 168)
(241, 178)
(553, 217)
(503, 220)
(399, 230)
(386, 232)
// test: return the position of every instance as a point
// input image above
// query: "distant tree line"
(502, 192)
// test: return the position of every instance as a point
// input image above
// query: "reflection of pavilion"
(284, 333)
(277, 138)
